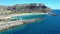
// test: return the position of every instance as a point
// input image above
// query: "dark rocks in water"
(32, 20)
(54, 14)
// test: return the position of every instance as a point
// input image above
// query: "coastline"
(11, 24)
(12, 15)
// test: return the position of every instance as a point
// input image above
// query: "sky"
(53, 4)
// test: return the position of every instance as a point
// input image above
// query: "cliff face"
(27, 8)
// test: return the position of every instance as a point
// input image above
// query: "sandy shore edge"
(12, 15)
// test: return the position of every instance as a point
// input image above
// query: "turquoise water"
(23, 26)
(28, 17)
(51, 25)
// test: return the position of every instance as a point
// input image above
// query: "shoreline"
(6, 25)
(11, 24)
(12, 15)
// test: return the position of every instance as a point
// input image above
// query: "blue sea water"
(26, 17)
(51, 25)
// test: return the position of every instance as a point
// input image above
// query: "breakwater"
(11, 24)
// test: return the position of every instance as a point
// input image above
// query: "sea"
(50, 25)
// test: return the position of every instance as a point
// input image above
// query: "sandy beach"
(12, 15)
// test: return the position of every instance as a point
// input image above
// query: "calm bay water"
(51, 25)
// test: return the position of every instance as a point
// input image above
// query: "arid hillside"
(26, 8)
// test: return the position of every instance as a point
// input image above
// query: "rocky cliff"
(27, 8)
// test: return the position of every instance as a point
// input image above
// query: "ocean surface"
(51, 25)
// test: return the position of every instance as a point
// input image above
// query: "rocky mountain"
(27, 8)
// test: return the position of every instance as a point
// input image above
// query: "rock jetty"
(11, 24)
